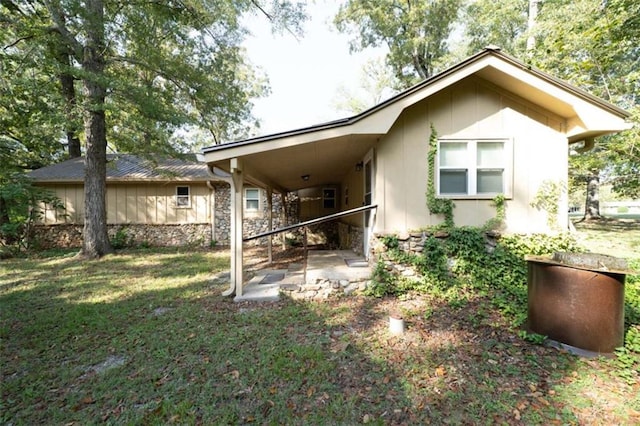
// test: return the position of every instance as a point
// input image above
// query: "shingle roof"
(127, 167)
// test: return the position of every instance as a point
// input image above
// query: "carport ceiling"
(325, 162)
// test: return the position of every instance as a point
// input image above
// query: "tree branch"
(58, 18)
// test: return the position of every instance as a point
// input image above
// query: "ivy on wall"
(443, 206)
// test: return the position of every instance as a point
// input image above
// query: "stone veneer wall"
(351, 237)
(67, 236)
(254, 224)
(413, 243)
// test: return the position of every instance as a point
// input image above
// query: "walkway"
(334, 267)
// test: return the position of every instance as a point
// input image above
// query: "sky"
(304, 74)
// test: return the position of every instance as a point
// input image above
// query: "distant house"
(503, 128)
(161, 201)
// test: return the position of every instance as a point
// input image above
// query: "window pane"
(490, 182)
(453, 154)
(182, 190)
(182, 201)
(329, 203)
(253, 204)
(252, 194)
(490, 154)
(453, 181)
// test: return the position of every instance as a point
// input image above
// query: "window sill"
(473, 197)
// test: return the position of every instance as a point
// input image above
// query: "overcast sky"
(304, 74)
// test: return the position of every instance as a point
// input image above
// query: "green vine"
(497, 222)
(547, 199)
(443, 206)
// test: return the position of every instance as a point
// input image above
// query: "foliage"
(416, 32)
(547, 199)
(443, 206)
(19, 205)
(497, 222)
(463, 262)
(148, 70)
(121, 239)
(490, 22)
(376, 84)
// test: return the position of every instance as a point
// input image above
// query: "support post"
(270, 238)
(236, 228)
(283, 218)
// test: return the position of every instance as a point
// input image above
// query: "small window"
(252, 199)
(183, 197)
(329, 198)
(474, 168)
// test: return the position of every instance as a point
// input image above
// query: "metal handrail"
(322, 219)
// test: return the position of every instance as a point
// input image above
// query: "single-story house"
(503, 127)
(159, 201)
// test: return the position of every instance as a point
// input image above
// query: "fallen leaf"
(311, 391)
(366, 418)
(440, 371)
(516, 414)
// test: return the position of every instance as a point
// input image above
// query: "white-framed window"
(329, 198)
(183, 197)
(474, 168)
(252, 200)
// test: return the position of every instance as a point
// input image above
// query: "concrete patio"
(331, 269)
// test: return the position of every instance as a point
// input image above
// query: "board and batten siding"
(472, 108)
(136, 203)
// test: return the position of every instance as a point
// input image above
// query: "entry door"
(369, 187)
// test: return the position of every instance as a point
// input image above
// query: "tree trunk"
(95, 241)
(592, 205)
(69, 94)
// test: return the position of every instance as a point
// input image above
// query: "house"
(156, 201)
(503, 128)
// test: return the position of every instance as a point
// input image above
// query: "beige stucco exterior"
(134, 203)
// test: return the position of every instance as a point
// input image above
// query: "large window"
(183, 197)
(252, 200)
(474, 168)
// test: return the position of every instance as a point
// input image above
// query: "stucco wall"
(470, 109)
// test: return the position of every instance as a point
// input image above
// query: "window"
(474, 167)
(252, 199)
(183, 198)
(329, 198)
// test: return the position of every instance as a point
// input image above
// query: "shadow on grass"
(170, 349)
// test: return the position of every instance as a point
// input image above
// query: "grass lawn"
(144, 337)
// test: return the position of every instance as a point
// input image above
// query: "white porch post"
(270, 238)
(236, 226)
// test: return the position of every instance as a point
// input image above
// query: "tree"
(498, 23)
(376, 81)
(415, 32)
(596, 45)
(146, 70)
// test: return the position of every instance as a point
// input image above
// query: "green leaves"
(415, 32)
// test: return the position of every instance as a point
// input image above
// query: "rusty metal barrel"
(577, 299)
